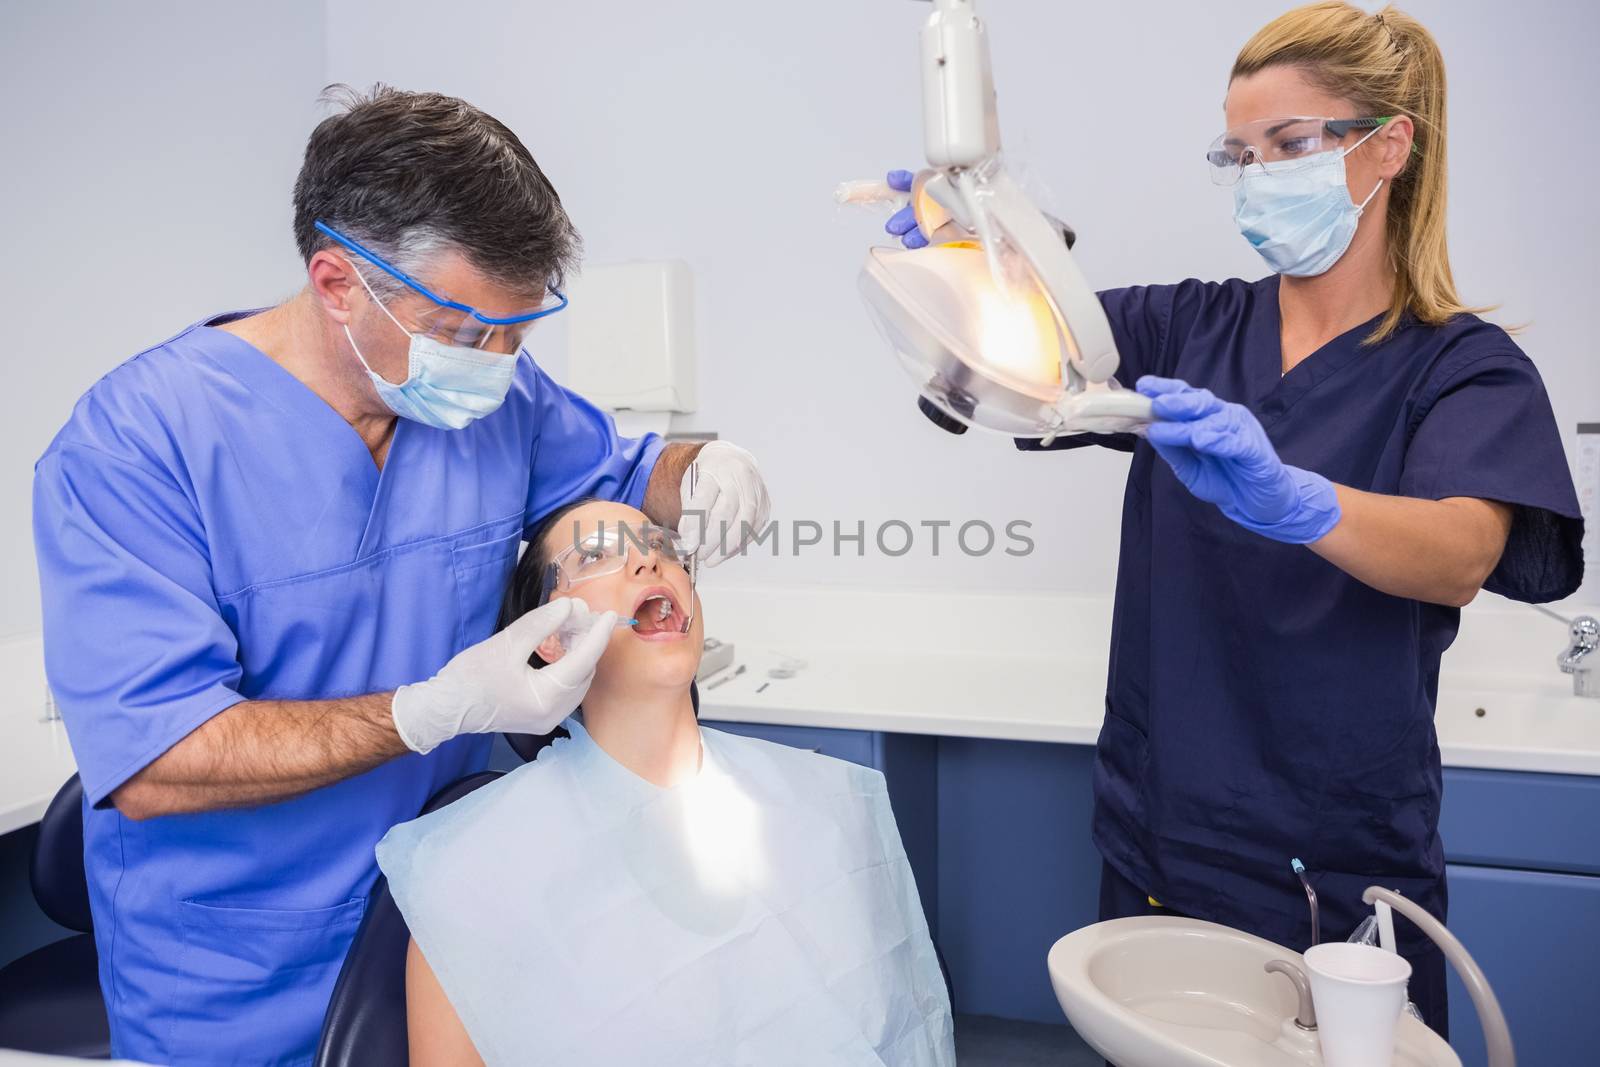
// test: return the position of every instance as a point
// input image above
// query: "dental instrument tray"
(716, 656)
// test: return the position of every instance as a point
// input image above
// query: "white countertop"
(35, 759)
(1010, 698)
(1006, 667)
(1522, 727)
(1026, 668)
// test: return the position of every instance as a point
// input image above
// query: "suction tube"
(1496, 1034)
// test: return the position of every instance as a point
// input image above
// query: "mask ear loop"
(381, 307)
(1345, 154)
(1361, 207)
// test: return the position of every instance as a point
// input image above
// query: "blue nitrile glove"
(1221, 453)
(903, 223)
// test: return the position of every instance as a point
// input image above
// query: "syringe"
(573, 628)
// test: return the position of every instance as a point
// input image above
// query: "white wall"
(149, 151)
(148, 174)
(715, 131)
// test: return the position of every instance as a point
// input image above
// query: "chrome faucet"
(1580, 659)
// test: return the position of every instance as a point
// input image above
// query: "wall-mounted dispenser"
(631, 338)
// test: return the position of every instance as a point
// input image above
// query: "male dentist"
(272, 549)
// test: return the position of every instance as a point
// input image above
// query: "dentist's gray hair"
(409, 175)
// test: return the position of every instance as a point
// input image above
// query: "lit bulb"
(1017, 337)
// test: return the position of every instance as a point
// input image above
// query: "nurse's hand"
(1221, 453)
(903, 223)
(490, 687)
(725, 503)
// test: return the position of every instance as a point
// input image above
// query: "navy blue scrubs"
(1262, 703)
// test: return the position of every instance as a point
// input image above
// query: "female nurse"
(1346, 455)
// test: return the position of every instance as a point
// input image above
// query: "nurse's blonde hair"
(1384, 64)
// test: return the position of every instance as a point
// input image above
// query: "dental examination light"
(993, 319)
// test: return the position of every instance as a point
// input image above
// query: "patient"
(650, 891)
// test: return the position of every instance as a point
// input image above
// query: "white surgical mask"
(1298, 213)
(446, 386)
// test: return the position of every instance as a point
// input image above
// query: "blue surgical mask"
(446, 386)
(1298, 213)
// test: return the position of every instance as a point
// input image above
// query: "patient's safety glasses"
(451, 322)
(606, 551)
(1285, 140)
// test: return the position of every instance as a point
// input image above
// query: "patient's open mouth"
(659, 614)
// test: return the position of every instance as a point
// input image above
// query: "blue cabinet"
(1533, 822)
(1524, 854)
(1017, 869)
(1535, 935)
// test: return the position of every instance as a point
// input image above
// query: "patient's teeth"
(666, 607)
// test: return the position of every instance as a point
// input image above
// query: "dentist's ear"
(332, 280)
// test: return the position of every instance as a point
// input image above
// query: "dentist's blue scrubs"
(1263, 704)
(209, 531)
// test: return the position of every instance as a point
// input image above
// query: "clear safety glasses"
(452, 322)
(1279, 141)
(606, 551)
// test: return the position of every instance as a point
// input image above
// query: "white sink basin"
(1170, 992)
(1516, 724)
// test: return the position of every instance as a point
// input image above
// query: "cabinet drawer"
(853, 745)
(1533, 934)
(1543, 822)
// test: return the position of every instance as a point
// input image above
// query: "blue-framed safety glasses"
(451, 321)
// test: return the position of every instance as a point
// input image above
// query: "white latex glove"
(490, 687)
(727, 506)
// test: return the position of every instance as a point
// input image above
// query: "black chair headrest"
(366, 1018)
(57, 877)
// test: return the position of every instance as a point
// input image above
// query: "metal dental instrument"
(726, 677)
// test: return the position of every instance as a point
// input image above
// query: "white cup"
(1359, 991)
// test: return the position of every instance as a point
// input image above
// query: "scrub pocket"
(1122, 762)
(481, 573)
(255, 982)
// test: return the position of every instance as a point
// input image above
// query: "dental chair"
(366, 1019)
(50, 999)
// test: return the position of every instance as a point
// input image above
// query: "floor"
(984, 1041)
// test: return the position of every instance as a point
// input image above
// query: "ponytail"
(1384, 64)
